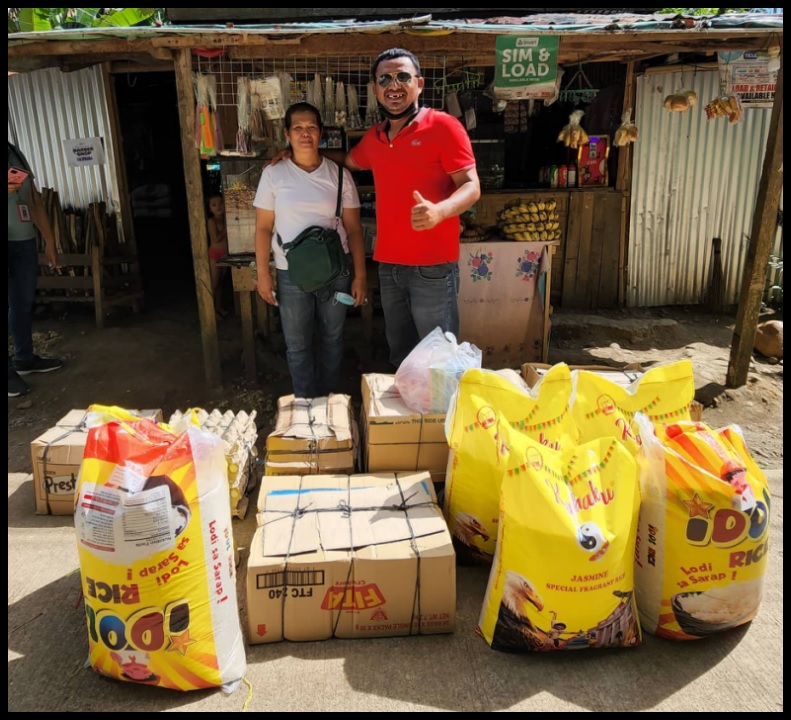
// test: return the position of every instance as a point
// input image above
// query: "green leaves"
(42, 19)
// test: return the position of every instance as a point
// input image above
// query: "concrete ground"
(47, 647)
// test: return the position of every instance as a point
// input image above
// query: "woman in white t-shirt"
(294, 195)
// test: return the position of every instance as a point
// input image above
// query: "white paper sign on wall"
(84, 151)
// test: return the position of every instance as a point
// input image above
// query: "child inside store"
(218, 249)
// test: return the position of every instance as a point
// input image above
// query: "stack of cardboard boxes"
(350, 557)
(57, 456)
(311, 436)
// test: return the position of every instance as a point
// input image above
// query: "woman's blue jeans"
(22, 281)
(306, 317)
(415, 300)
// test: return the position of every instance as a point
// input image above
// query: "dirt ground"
(153, 359)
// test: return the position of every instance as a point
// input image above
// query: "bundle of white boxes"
(239, 433)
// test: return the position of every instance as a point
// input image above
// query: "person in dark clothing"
(26, 214)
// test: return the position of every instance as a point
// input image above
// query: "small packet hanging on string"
(572, 135)
(681, 101)
(626, 132)
(452, 103)
(725, 106)
(341, 116)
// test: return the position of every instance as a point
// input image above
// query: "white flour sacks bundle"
(156, 552)
(563, 573)
(703, 536)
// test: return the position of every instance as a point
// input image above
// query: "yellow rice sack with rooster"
(484, 406)
(563, 573)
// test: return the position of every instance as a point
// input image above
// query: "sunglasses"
(403, 77)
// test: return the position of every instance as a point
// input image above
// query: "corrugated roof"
(544, 22)
(587, 37)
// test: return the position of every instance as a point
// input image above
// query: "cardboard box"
(57, 456)
(355, 556)
(396, 437)
(390, 421)
(623, 376)
(315, 435)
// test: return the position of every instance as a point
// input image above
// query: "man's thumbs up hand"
(425, 214)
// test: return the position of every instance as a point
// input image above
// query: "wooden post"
(623, 183)
(761, 236)
(126, 225)
(197, 218)
(548, 305)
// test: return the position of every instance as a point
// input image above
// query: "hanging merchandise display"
(626, 132)
(318, 96)
(354, 121)
(329, 101)
(244, 136)
(207, 135)
(681, 101)
(341, 114)
(371, 108)
(729, 106)
(572, 135)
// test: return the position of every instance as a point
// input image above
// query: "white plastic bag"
(429, 375)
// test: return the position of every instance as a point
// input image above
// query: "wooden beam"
(116, 143)
(197, 219)
(762, 234)
(623, 182)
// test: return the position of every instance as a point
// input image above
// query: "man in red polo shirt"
(424, 177)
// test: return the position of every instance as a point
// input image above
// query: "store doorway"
(151, 141)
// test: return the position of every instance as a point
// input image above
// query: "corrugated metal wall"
(693, 179)
(48, 106)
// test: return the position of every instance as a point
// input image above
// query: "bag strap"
(337, 207)
(340, 196)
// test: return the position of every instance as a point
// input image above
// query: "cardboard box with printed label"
(355, 556)
(623, 376)
(313, 435)
(397, 438)
(57, 456)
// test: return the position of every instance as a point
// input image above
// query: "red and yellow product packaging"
(156, 553)
(703, 534)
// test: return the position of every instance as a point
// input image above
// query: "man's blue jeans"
(302, 315)
(415, 300)
(22, 281)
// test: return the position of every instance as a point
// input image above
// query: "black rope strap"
(346, 510)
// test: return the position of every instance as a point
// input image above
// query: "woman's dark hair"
(302, 107)
(392, 54)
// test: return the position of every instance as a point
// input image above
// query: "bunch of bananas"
(530, 221)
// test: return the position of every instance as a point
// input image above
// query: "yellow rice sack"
(155, 545)
(563, 573)
(484, 404)
(603, 409)
(704, 532)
